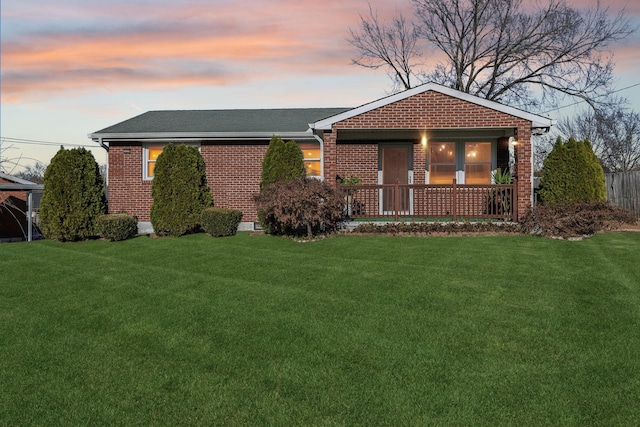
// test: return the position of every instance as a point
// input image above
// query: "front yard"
(358, 330)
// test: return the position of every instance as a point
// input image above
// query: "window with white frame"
(151, 153)
(442, 162)
(477, 163)
(469, 162)
(312, 158)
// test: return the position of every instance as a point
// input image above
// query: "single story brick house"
(425, 138)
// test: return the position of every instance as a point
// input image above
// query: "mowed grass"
(257, 330)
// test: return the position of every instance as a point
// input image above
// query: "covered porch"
(432, 152)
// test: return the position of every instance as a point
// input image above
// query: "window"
(477, 162)
(312, 158)
(151, 155)
(442, 166)
(468, 162)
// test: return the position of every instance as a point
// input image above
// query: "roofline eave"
(21, 187)
(106, 137)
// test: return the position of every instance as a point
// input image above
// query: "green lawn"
(257, 330)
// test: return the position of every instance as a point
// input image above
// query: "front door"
(395, 170)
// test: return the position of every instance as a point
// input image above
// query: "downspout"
(321, 141)
(106, 171)
(29, 215)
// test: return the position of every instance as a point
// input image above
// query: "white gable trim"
(536, 120)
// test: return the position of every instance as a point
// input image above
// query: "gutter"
(162, 136)
(321, 141)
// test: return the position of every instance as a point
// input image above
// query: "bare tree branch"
(614, 132)
(528, 54)
(391, 46)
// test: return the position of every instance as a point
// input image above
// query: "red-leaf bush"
(304, 206)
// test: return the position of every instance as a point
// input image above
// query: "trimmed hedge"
(73, 197)
(115, 227)
(220, 222)
(180, 191)
(436, 228)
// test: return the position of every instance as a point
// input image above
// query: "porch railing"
(429, 202)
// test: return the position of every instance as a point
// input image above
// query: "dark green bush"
(572, 174)
(180, 191)
(305, 206)
(73, 197)
(283, 161)
(575, 220)
(115, 227)
(220, 222)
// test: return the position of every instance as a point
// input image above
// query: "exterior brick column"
(330, 157)
(524, 169)
(419, 163)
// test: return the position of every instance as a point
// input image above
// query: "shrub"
(115, 227)
(73, 197)
(180, 191)
(219, 222)
(303, 206)
(575, 220)
(436, 228)
(572, 174)
(283, 161)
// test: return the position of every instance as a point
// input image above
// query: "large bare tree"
(526, 53)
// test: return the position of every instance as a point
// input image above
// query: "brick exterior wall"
(128, 192)
(233, 175)
(428, 110)
(360, 160)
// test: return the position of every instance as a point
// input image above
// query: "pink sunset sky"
(72, 67)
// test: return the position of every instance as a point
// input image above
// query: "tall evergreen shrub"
(180, 191)
(73, 197)
(572, 174)
(282, 162)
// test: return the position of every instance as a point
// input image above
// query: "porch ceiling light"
(423, 141)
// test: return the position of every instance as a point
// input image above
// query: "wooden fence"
(623, 189)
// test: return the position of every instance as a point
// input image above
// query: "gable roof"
(218, 123)
(536, 120)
